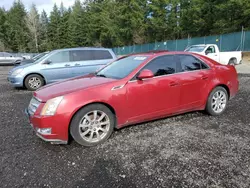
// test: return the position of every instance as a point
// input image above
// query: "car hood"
(68, 86)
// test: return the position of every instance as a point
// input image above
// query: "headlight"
(16, 72)
(51, 105)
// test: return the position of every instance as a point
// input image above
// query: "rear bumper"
(56, 136)
(16, 81)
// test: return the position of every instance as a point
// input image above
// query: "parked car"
(31, 60)
(9, 59)
(130, 90)
(213, 52)
(59, 65)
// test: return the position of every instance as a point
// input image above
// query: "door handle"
(204, 77)
(67, 65)
(172, 84)
(77, 64)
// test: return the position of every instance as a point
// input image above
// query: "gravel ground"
(191, 150)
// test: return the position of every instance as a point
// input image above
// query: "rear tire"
(217, 101)
(92, 125)
(33, 82)
(232, 61)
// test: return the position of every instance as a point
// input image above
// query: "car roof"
(159, 53)
(83, 48)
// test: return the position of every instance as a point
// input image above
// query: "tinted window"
(190, 63)
(82, 55)
(122, 68)
(60, 57)
(102, 54)
(210, 49)
(162, 65)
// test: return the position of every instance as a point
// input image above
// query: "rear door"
(88, 61)
(60, 67)
(194, 78)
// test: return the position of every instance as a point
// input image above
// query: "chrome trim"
(53, 141)
(209, 68)
(117, 87)
(33, 105)
(37, 99)
(168, 75)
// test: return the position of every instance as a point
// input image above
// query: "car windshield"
(195, 49)
(41, 58)
(38, 56)
(121, 68)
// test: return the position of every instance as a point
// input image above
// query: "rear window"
(81, 55)
(88, 55)
(102, 54)
(190, 63)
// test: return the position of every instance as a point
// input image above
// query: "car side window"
(163, 65)
(190, 63)
(81, 55)
(102, 54)
(59, 57)
(210, 49)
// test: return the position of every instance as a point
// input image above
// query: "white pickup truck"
(212, 51)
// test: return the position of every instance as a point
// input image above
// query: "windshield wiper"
(101, 75)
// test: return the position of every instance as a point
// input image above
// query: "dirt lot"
(191, 150)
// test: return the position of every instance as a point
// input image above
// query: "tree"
(77, 25)
(32, 22)
(64, 27)
(2, 29)
(17, 32)
(54, 29)
(43, 37)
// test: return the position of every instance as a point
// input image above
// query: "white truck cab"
(212, 51)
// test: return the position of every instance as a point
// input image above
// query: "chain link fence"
(238, 41)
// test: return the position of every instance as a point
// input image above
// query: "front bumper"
(16, 81)
(42, 123)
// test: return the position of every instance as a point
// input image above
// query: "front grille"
(34, 104)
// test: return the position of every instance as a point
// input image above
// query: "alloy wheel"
(94, 126)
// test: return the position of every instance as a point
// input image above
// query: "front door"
(211, 53)
(154, 97)
(59, 68)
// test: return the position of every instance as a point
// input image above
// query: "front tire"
(33, 82)
(92, 125)
(217, 101)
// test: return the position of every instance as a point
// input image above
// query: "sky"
(47, 5)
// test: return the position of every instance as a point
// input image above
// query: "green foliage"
(15, 26)
(111, 23)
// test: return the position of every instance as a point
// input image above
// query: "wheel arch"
(91, 103)
(31, 74)
(224, 86)
(232, 58)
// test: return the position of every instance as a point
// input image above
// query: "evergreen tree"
(77, 25)
(44, 41)
(64, 27)
(17, 32)
(54, 29)
(2, 29)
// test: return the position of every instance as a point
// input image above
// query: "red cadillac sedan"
(133, 89)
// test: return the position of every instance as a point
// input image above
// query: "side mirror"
(145, 74)
(47, 62)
